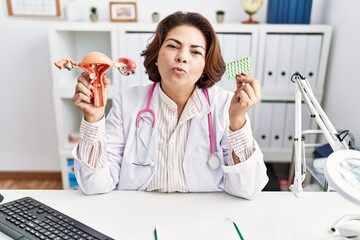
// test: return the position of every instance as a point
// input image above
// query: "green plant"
(220, 12)
(93, 10)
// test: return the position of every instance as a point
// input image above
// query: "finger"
(244, 78)
(81, 88)
(257, 88)
(84, 75)
(80, 97)
(240, 96)
(250, 92)
(84, 85)
(239, 82)
(254, 86)
(85, 107)
(244, 97)
(106, 81)
(85, 80)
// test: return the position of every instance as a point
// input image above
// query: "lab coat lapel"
(198, 127)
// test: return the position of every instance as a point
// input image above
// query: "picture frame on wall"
(123, 12)
(39, 8)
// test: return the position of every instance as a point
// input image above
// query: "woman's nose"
(181, 58)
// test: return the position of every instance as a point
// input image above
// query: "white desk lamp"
(342, 169)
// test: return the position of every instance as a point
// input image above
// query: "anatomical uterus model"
(96, 64)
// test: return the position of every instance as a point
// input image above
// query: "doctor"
(179, 134)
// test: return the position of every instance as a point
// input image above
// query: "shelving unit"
(75, 40)
(284, 50)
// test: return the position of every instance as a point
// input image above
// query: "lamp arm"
(303, 91)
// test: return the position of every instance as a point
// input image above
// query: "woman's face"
(181, 58)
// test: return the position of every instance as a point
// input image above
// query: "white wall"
(27, 123)
(27, 126)
(342, 99)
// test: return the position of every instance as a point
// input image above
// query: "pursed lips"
(178, 69)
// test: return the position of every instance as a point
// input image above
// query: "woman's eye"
(197, 53)
(172, 46)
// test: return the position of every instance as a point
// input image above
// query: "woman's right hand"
(84, 95)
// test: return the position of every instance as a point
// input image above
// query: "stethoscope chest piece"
(214, 162)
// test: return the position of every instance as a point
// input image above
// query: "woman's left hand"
(246, 95)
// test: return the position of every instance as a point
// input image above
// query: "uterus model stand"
(96, 64)
(335, 139)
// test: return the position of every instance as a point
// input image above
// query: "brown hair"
(214, 63)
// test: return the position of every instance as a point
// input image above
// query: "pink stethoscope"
(213, 161)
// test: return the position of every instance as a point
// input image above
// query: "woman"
(193, 136)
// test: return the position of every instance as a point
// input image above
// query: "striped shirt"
(172, 134)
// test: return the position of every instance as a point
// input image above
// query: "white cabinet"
(277, 51)
(284, 50)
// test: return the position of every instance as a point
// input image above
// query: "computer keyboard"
(27, 218)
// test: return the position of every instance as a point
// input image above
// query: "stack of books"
(289, 11)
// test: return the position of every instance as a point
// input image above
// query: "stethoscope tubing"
(148, 109)
(211, 136)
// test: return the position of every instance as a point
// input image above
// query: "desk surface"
(133, 215)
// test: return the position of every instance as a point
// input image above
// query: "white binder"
(270, 63)
(284, 61)
(265, 124)
(298, 57)
(313, 59)
(289, 126)
(277, 126)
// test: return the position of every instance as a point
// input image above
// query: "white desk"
(133, 215)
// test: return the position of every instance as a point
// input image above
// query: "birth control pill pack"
(234, 68)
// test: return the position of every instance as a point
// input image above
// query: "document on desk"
(214, 230)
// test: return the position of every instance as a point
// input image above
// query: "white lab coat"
(245, 180)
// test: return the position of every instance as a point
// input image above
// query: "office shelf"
(277, 51)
